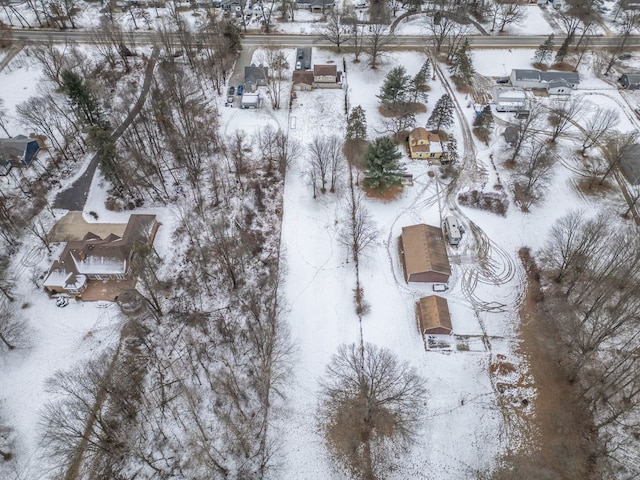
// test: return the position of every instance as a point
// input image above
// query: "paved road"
(282, 40)
(74, 197)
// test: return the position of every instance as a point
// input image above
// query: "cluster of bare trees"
(326, 164)
(591, 267)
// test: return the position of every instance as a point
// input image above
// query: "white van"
(452, 230)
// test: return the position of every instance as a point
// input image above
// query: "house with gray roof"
(553, 82)
(509, 99)
(630, 81)
(255, 77)
(316, 6)
(18, 151)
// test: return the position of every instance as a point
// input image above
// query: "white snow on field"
(19, 80)
(463, 429)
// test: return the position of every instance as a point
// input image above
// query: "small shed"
(424, 254)
(630, 81)
(433, 316)
(250, 100)
(511, 135)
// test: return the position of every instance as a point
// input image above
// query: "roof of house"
(546, 77)
(630, 163)
(316, 3)
(324, 70)
(434, 313)
(425, 250)
(632, 77)
(431, 141)
(255, 74)
(18, 150)
(302, 76)
(110, 255)
(509, 94)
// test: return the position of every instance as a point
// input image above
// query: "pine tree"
(544, 51)
(562, 51)
(357, 124)
(394, 90)
(419, 83)
(461, 65)
(442, 114)
(382, 165)
(81, 98)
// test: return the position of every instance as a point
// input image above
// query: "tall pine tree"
(461, 65)
(442, 114)
(357, 124)
(544, 51)
(394, 90)
(382, 165)
(81, 98)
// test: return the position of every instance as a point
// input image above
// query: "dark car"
(240, 90)
(231, 91)
(503, 80)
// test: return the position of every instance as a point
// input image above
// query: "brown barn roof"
(424, 250)
(319, 70)
(434, 313)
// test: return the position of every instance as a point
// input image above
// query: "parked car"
(231, 91)
(440, 287)
(503, 80)
(230, 100)
(240, 90)
(624, 56)
(298, 65)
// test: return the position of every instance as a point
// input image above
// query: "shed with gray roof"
(630, 81)
(630, 163)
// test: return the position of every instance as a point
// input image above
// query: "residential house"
(302, 80)
(553, 82)
(425, 144)
(630, 163)
(18, 151)
(424, 254)
(255, 77)
(630, 81)
(433, 316)
(326, 76)
(509, 99)
(94, 258)
(316, 6)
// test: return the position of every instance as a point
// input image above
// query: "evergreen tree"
(562, 51)
(357, 124)
(442, 114)
(382, 165)
(461, 65)
(395, 88)
(419, 83)
(81, 98)
(544, 51)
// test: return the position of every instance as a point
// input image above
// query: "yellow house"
(425, 144)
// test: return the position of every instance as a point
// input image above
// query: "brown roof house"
(424, 254)
(433, 316)
(95, 258)
(302, 80)
(425, 144)
(326, 76)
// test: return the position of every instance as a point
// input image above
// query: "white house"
(553, 82)
(509, 99)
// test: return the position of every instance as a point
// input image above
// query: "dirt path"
(558, 432)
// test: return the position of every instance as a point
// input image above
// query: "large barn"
(433, 316)
(424, 254)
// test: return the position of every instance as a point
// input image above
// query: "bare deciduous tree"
(563, 113)
(377, 43)
(597, 127)
(335, 31)
(371, 405)
(534, 170)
